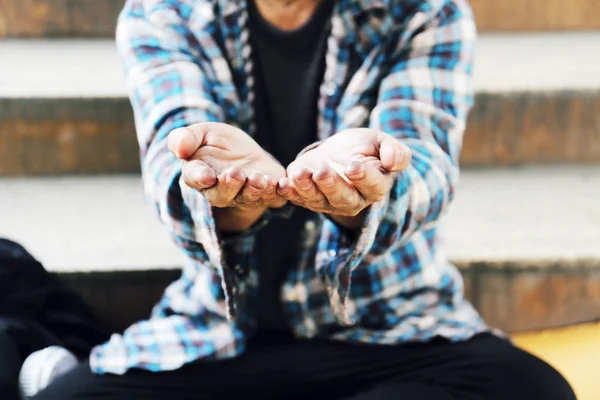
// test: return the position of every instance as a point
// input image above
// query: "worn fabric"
(483, 368)
(190, 61)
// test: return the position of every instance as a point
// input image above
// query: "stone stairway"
(96, 18)
(529, 252)
(64, 110)
(524, 229)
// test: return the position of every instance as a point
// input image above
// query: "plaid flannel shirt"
(189, 61)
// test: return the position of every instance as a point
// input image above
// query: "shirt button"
(330, 88)
(310, 226)
(332, 253)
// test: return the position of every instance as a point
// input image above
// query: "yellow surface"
(574, 351)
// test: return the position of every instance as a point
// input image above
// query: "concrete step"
(536, 15)
(64, 109)
(525, 239)
(63, 105)
(97, 18)
(59, 18)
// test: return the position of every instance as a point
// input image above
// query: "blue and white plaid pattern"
(189, 61)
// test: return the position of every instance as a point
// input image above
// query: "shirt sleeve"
(423, 101)
(169, 81)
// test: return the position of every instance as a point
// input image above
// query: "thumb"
(393, 154)
(184, 142)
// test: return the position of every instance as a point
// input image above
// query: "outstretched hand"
(345, 174)
(227, 166)
(237, 177)
(341, 176)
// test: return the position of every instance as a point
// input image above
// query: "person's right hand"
(227, 166)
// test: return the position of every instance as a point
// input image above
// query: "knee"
(542, 381)
(518, 374)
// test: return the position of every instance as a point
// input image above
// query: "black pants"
(482, 368)
(10, 364)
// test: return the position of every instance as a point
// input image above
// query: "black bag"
(37, 311)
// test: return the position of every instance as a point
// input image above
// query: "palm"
(227, 166)
(345, 174)
(351, 145)
(225, 147)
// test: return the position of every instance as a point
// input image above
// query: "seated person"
(301, 154)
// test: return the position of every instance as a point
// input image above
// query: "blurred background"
(524, 229)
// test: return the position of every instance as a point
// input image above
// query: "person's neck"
(287, 14)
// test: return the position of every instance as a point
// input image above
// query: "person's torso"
(288, 71)
(365, 43)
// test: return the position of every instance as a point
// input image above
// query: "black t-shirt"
(288, 71)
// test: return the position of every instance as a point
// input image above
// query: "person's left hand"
(345, 174)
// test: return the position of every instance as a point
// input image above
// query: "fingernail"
(232, 180)
(399, 158)
(284, 191)
(282, 185)
(262, 183)
(304, 183)
(252, 189)
(178, 146)
(327, 181)
(355, 168)
(270, 180)
(178, 134)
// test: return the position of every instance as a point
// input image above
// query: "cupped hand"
(227, 166)
(345, 174)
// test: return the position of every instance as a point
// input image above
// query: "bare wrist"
(232, 220)
(352, 223)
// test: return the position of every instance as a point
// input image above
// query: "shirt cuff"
(341, 253)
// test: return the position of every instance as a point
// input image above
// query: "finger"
(253, 189)
(286, 189)
(277, 202)
(342, 196)
(394, 155)
(307, 190)
(372, 184)
(229, 184)
(198, 175)
(270, 196)
(184, 142)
